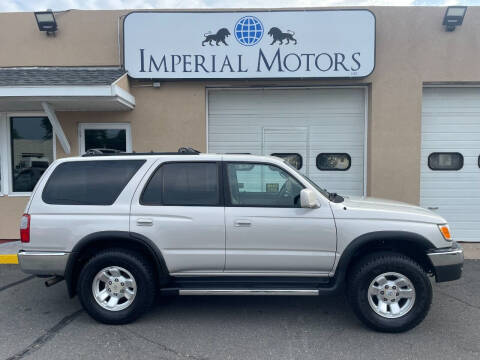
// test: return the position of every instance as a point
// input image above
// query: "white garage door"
(450, 173)
(328, 123)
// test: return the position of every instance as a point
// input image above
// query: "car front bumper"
(43, 262)
(447, 262)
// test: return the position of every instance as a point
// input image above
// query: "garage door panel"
(334, 119)
(451, 123)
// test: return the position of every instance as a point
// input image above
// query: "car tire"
(379, 290)
(121, 275)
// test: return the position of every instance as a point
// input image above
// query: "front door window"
(262, 185)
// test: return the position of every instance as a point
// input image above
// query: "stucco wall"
(412, 48)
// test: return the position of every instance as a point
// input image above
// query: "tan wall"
(412, 48)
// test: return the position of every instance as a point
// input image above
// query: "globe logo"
(248, 30)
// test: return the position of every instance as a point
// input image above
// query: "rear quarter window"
(89, 182)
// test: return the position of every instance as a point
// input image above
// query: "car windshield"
(324, 192)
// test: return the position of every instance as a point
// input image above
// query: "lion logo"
(279, 36)
(219, 37)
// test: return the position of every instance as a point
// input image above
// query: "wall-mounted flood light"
(46, 21)
(454, 17)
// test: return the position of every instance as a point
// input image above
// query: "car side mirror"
(308, 199)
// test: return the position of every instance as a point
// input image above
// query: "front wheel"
(116, 286)
(389, 292)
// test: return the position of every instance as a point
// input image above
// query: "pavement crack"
(50, 334)
(15, 283)
(460, 300)
(164, 347)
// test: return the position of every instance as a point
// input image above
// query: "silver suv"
(122, 229)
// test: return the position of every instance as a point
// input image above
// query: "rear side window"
(183, 184)
(89, 182)
(445, 161)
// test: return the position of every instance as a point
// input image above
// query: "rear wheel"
(389, 292)
(116, 286)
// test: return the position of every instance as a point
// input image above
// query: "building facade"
(393, 114)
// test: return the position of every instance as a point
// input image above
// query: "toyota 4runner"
(122, 229)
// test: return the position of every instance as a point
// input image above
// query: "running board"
(296, 292)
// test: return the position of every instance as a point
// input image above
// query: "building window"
(293, 159)
(32, 150)
(334, 161)
(184, 184)
(445, 161)
(105, 136)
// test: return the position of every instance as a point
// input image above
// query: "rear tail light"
(25, 228)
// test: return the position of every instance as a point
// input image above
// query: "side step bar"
(296, 292)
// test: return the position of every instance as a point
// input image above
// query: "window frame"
(289, 154)
(103, 126)
(334, 153)
(220, 178)
(226, 187)
(446, 152)
(8, 152)
(3, 159)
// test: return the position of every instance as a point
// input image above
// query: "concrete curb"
(8, 252)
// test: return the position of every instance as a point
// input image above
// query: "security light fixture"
(46, 21)
(454, 17)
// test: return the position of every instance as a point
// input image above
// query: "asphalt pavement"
(44, 323)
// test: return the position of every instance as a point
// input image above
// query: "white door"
(450, 173)
(325, 125)
(266, 230)
(179, 207)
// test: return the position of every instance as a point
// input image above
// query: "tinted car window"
(183, 184)
(89, 182)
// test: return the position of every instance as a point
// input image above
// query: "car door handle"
(432, 208)
(243, 223)
(144, 222)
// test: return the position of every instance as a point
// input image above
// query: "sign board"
(247, 45)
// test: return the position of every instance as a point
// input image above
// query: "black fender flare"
(372, 238)
(131, 237)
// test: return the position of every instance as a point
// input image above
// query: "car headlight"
(445, 230)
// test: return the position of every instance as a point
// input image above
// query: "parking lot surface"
(43, 323)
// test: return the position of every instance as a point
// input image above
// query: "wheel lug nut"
(394, 287)
(398, 294)
(116, 280)
(109, 283)
(386, 286)
(384, 299)
(393, 300)
(122, 284)
(382, 292)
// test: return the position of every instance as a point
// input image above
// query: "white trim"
(433, 85)
(84, 126)
(365, 146)
(364, 86)
(57, 127)
(3, 155)
(9, 115)
(44, 92)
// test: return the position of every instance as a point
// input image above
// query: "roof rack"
(115, 152)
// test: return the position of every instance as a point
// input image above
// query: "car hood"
(369, 207)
